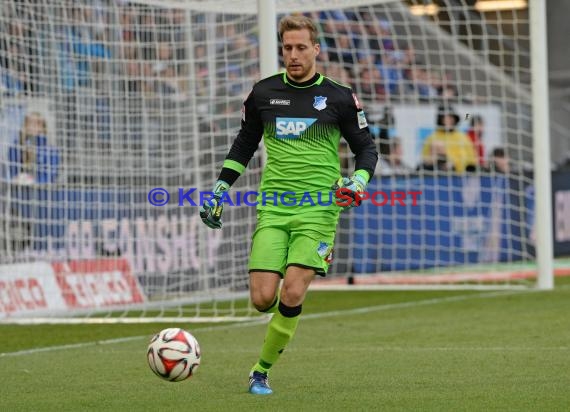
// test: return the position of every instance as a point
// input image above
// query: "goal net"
(116, 114)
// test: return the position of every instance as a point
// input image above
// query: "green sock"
(279, 332)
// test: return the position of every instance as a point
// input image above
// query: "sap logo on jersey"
(292, 127)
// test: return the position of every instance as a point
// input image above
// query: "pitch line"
(265, 319)
(417, 349)
(445, 349)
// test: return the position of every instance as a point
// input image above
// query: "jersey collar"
(317, 79)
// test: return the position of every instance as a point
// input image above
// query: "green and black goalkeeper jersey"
(301, 124)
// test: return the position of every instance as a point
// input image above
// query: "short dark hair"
(387, 145)
(476, 119)
(384, 148)
(446, 110)
(499, 152)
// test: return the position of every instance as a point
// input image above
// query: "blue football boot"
(259, 384)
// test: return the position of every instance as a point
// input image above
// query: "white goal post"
(108, 107)
(541, 147)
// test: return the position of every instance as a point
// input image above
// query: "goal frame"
(543, 268)
(267, 18)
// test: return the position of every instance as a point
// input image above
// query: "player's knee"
(293, 295)
(263, 301)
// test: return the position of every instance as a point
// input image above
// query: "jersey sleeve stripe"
(232, 164)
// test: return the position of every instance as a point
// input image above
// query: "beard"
(299, 72)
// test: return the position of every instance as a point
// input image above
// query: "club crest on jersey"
(320, 102)
(292, 127)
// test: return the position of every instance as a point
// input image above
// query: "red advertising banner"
(97, 283)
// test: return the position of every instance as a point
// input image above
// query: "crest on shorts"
(320, 102)
(325, 251)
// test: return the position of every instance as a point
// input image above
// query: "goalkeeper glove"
(347, 189)
(211, 210)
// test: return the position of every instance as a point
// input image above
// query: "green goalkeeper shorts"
(305, 240)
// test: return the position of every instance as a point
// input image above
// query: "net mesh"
(104, 100)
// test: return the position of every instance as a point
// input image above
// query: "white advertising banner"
(29, 288)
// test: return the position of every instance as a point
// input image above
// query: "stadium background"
(137, 96)
(128, 114)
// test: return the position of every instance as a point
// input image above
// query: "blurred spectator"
(81, 48)
(499, 162)
(386, 126)
(10, 83)
(475, 134)
(127, 24)
(337, 41)
(201, 71)
(132, 81)
(32, 159)
(168, 83)
(121, 61)
(420, 82)
(365, 58)
(239, 48)
(164, 57)
(225, 37)
(17, 69)
(390, 161)
(146, 31)
(448, 92)
(392, 70)
(336, 20)
(371, 42)
(435, 159)
(233, 81)
(172, 22)
(342, 50)
(458, 147)
(386, 35)
(252, 71)
(371, 85)
(337, 73)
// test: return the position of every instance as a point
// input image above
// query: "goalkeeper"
(302, 115)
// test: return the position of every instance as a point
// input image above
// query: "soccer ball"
(173, 354)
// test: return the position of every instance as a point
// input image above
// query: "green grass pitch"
(354, 351)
